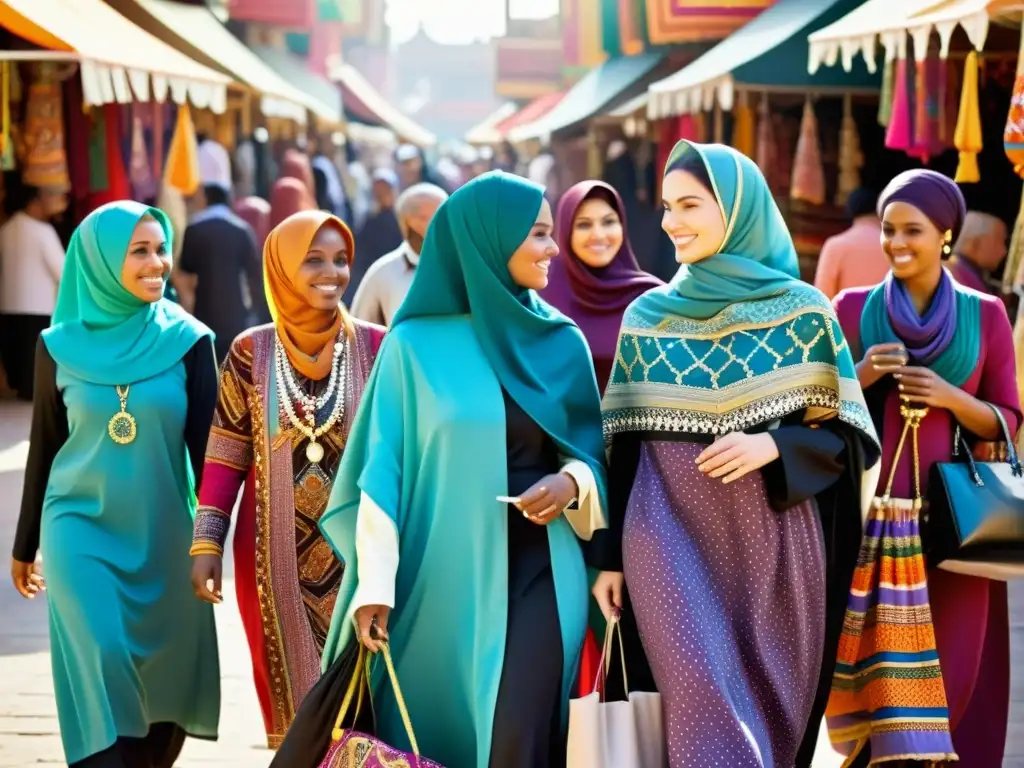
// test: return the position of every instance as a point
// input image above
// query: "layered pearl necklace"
(290, 392)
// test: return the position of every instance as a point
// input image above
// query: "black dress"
(48, 434)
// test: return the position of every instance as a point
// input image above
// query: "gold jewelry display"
(121, 427)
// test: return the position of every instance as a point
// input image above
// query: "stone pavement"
(29, 735)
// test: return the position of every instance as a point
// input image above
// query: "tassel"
(743, 130)
(808, 182)
(967, 137)
(850, 157)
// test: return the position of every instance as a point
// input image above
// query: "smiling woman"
(148, 262)
(289, 392)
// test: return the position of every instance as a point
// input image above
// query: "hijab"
(295, 165)
(538, 354)
(947, 336)
(288, 197)
(307, 334)
(757, 258)
(100, 332)
(594, 298)
(255, 211)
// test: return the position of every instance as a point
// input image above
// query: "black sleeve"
(187, 259)
(320, 181)
(201, 389)
(811, 459)
(604, 550)
(253, 266)
(48, 434)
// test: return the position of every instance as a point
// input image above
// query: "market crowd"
(449, 421)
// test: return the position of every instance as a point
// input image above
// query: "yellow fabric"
(744, 133)
(967, 137)
(591, 50)
(182, 171)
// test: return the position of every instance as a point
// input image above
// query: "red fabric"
(590, 663)
(118, 184)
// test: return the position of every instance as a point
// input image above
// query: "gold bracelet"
(206, 548)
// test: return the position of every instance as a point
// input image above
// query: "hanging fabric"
(900, 135)
(1013, 133)
(140, 170)
(850, 157)
(967, 137)
(98, 181)
(744, 131)
(927, 115)
(888, 93)
(765, 154)
(808, 182)
(182, 171)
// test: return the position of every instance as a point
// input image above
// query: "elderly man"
(979, 251)
(387, 282)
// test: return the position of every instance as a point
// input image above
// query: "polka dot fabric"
(729, 596)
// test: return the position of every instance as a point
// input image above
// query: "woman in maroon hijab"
(596, 276)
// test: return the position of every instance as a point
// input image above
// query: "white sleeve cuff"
(587, 516)
(376, 556)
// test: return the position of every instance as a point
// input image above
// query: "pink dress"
(970, 614)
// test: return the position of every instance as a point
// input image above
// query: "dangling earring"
(946, 249)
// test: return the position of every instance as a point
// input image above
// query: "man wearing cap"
(219, 275)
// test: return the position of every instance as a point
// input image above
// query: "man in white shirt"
(31, 264)
(386, 283)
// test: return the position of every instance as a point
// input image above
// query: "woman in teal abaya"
(126, 383)
(480, 390)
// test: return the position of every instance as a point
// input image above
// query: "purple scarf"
(594, 298)
(925, 336)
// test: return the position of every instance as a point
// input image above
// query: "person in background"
(330, 194)
(413, 167)
(289, 196)
(387, 280)
(381, 233)
(979, 251)
(255, 211)
(126, 384)
(854, 258)
(31, 265)
(220, 276)
(358, 186)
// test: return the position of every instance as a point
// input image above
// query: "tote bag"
(616, 734)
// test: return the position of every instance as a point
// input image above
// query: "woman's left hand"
(545, 500)
(922, 385)
(737, 454)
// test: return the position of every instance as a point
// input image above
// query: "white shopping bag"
(616, 734)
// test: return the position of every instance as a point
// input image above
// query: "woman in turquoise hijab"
(126, 383)
(481, 391)
(739, 442)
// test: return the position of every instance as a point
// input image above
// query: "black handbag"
(974, 524)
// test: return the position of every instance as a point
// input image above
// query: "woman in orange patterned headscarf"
(310, 366)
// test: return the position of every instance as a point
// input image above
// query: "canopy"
(765, 54)
(890, 22)
(535, 110)
(609, 83)
(365, 104)
(317, 89)
(486, 131)
(117, 58)
(198, 32)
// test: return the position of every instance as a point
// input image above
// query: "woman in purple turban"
(920, 336)
(597, 276)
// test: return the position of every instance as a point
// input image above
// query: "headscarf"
(538, 354)
(100, 332)
(287, 197)
(308, 334)
(947, 337)
(295, 165)
(756, 260)
(594, 298)
(255, 211)
(214, 165)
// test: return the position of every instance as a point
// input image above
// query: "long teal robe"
(130, 643)
(438, 461)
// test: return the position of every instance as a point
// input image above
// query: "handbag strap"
(399, 699)
(614, 629)
(912, 418)
(960, 443)
(356, 688)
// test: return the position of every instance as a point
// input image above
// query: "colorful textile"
(689, 350)
(1013, 133)
(308, 334)
(900, 131)
(686, 21)
(968, 137)
(808, 182)
(45, 164)
(182, 170)
(100, 332)
(286, 574)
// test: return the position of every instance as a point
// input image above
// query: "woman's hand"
(375, 616)
(27, 578)
(880, 360)
(546, 499)
(737, 454)
(922, 385)
(608, 592)
(207, 572)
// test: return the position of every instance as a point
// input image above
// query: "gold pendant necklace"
(121, 426)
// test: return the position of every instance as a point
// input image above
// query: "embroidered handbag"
(975, 519)
(887, 689)
(353, 749)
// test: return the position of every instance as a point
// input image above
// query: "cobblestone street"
(29, 734)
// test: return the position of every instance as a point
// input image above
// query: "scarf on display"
(737, 317)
